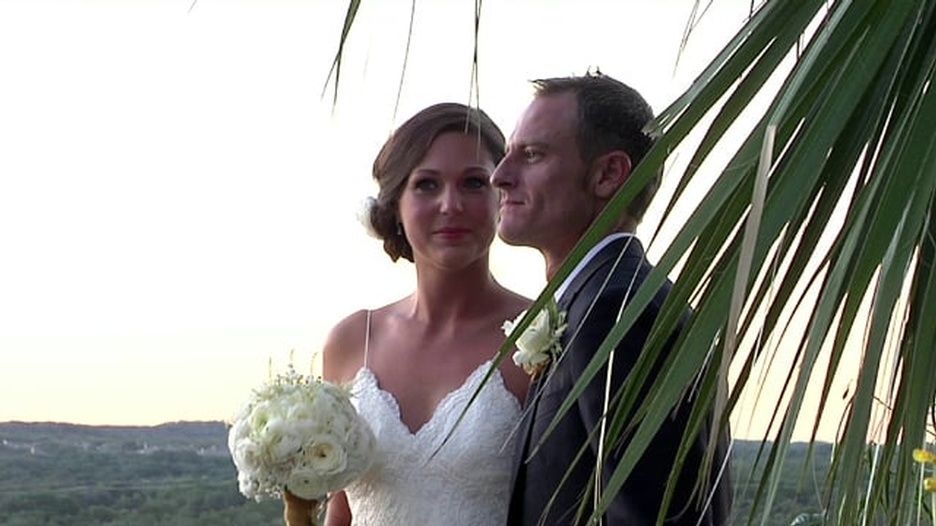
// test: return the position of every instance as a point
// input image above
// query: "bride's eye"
(425, 185)
(476, 182)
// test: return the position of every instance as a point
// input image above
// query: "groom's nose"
(503, 176)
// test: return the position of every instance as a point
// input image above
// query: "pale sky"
(178, 202)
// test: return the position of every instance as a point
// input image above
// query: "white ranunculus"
(324, 455)
(305, 483)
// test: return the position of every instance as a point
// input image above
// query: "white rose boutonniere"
(539, 343)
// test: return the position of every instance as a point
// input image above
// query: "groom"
(574, 146)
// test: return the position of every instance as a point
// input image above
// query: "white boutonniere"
(539, 343)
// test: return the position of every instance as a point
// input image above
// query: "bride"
(414, 363)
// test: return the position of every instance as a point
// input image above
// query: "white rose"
(309, 427)
(540, 341)
(529, 361)
(342, 420)
(301, 411)
(364, 213)
(261, 415)
(537, 335)
(239, 431)
(334, 413)
(280, 440)
(246, 454)
(248, 485)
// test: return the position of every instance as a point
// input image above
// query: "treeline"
(175, 474)
(180, 474)
(197, 504)
(799, 491)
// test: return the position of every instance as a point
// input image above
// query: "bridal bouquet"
(300, 434)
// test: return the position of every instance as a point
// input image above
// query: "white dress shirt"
(588, 257)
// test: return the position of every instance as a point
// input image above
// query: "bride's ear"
(609, 172)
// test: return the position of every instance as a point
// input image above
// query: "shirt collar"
(588, 257)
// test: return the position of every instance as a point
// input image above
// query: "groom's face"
(545, 198)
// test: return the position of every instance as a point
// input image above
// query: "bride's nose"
(450, 201)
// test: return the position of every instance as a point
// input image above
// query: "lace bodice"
(466, 483)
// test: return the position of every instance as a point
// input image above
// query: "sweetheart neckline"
(394, 404)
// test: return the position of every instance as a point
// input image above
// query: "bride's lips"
(452, 232)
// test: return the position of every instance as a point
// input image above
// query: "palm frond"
(846, 240)
(335, 69)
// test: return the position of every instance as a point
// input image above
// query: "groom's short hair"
(611, 116)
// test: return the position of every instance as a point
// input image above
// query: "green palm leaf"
(847, 238)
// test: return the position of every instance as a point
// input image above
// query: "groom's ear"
(609, 172)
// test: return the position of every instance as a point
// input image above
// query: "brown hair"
(406, 148)
(611, 116)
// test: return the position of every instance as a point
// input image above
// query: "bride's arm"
(340, 359)
(337, 368)
(339, 514)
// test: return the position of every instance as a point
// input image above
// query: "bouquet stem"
(298, 511)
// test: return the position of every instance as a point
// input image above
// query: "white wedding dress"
(465, 483)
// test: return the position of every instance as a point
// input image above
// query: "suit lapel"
(632, 248)
(515, 510)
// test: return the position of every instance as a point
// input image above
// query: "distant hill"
(207, 437)
(180, 474)
(172, 474)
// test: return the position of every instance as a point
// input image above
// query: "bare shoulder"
(343, 353)
(515, 379)
(513, 303)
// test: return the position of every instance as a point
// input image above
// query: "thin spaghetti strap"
(367, 337)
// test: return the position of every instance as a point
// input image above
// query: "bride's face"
(448, 207)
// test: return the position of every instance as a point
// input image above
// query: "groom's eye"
(530, 154)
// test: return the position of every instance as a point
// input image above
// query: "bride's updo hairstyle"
(406, 148)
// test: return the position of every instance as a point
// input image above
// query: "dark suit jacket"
(638, 502)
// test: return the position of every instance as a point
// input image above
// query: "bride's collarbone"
(419, 394)
(420, 342)
(459, 327)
